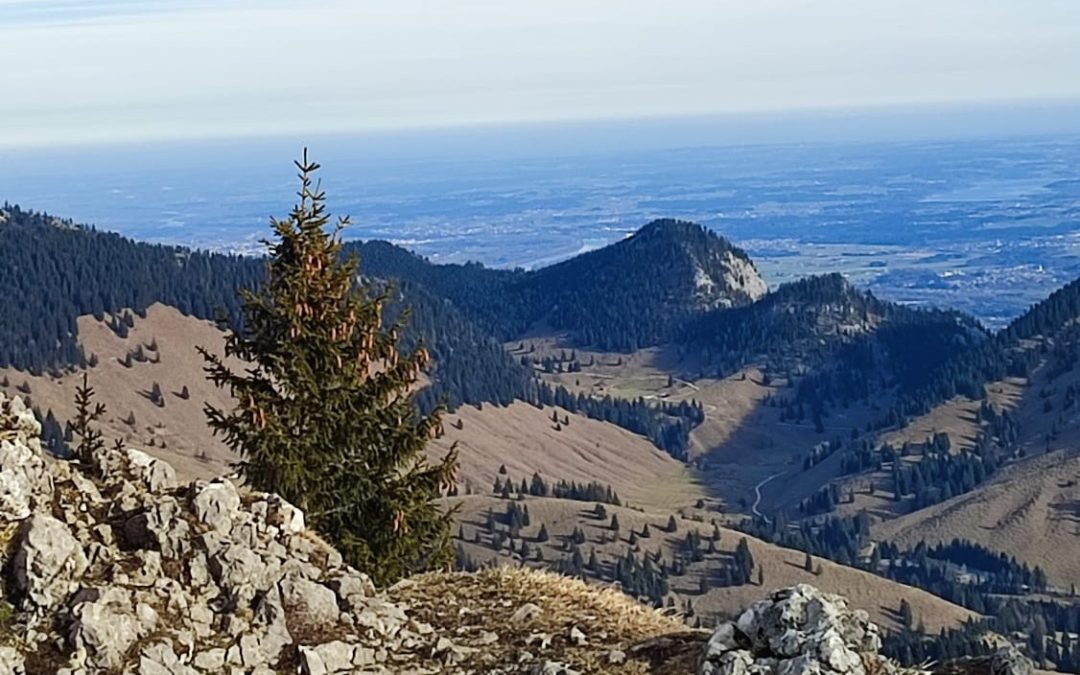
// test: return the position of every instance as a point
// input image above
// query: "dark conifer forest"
(840, 344)
(636, 293)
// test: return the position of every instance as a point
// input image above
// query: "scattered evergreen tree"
(906, 617)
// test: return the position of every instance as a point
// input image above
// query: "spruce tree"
(87, 414)
(324, 412)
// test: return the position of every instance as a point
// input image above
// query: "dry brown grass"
(1031, 510)
(520, 435)
(471, 604)
(741, 442)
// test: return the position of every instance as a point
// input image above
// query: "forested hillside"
(635, 293)
(818, 357)
(1052, 323)
(840, 343)
(56, 271)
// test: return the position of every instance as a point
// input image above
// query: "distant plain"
(986, 226)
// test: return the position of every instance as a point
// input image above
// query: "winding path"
(757, 496)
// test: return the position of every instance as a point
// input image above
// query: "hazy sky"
(104, 70)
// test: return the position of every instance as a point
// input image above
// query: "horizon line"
(824, 113)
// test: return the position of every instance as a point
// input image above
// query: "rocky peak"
(724, 275)
(797, 631)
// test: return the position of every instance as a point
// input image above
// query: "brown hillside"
(520, 436)
(525, 439)
(781, 567)
(1031, 510)
(742, 441)
(176, 431)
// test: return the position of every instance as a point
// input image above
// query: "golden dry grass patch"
(469, 604)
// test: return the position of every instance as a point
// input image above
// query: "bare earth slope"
(176, 431)
(1031, 509)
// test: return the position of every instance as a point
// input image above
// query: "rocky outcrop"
(797, 631)
(114, 567)
(802, 631)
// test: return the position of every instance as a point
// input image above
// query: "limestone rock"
(314, 602)
(215, 503)
(49, 562)
(23, 480)
(105, 627)
(284, 515)
(797, 631)
(137, 575)
(238, 571)
(160, 526)
(153, 473)
(11, 661)
(1010, 661)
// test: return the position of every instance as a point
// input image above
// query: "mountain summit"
(637, 292)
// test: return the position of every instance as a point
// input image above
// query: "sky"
(77, 72)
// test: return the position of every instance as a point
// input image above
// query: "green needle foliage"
(87, 414)
(324, 410)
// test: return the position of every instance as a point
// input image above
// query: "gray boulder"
(314, 603)
(1010, 661)
(215, 504)
(797, 631)
(105, 627)
(48, 563)
(24, 480)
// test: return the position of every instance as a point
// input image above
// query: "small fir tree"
(324, 412)
(84, 426)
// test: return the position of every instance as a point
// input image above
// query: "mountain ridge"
(633, 293)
